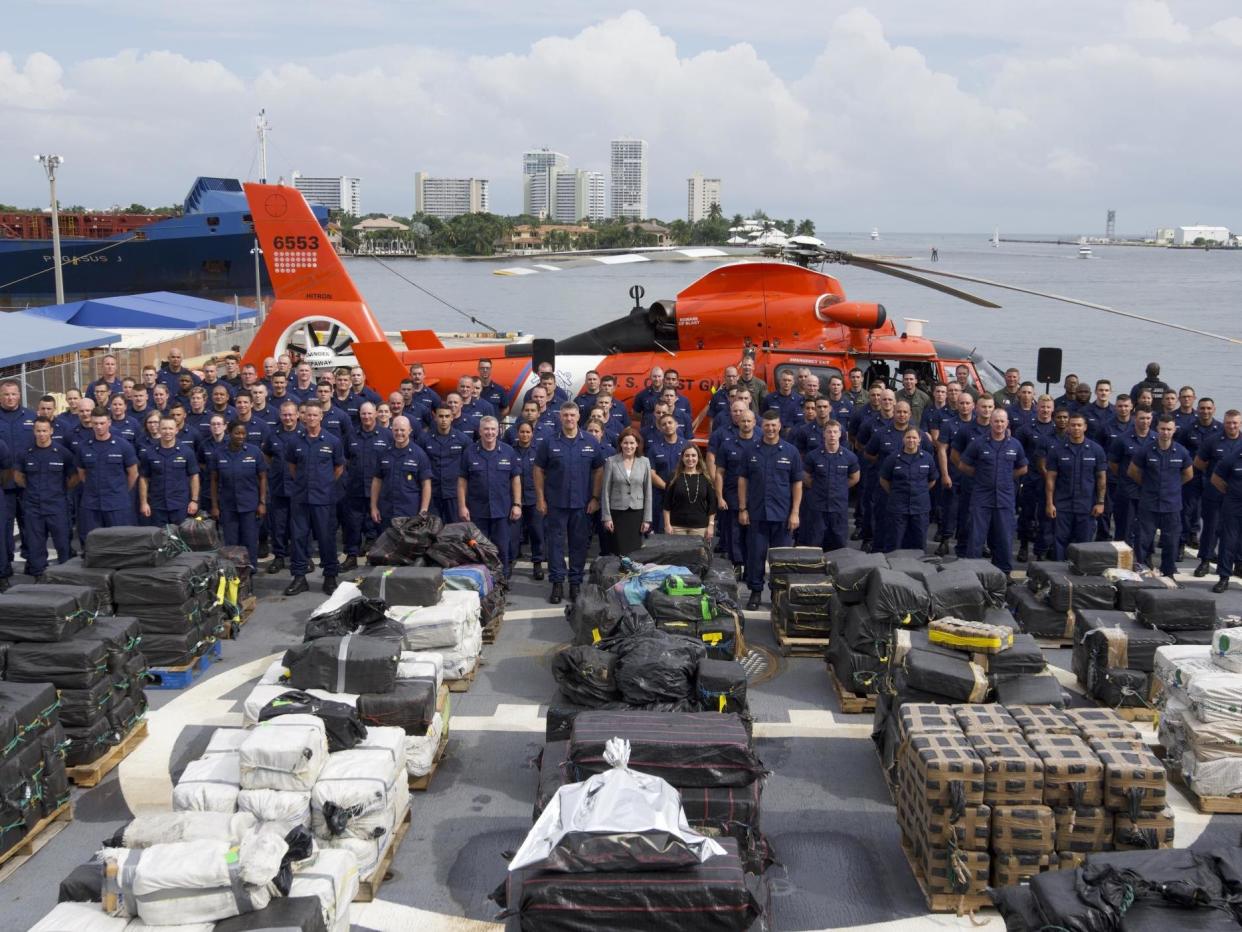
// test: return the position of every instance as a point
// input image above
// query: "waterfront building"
(1186, 236)
(341, 193)
(578, 195)
(539, 170)
(628, 165)
(449, 197)
(701, 195)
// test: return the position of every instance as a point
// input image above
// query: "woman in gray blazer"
(625, 499)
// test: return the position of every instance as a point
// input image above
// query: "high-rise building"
(333, 193)
(701, 195)
(449, 197)
(578, 195)
(539, 180)
(628, 163)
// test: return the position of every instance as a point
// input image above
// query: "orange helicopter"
(781, 311)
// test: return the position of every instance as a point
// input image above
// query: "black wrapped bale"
(40, 613)
(1119, 688)
(953, 676)
(87, 597)
(720, 636)
(956, 593)
(915, 569)
(118, 548)
(721, 686)
(416, 533)
(857, 672)
(1030, 689)
(173, 649)
(123, 715)
(812, 591)
(74, 664)
(595, 614)
(1023, 656)
(1037, 617)
(896, 600)
(172, 619)
(463, 543)
(606, 571)
(205, 569)
(1066, 593)
(717, 894)
(364, 617)
(586, 676)
(200, 533)
(690, 551)
(1040, 572)
(860, 633)
(787, 563)
(283, 913)
(344, 665)
(1001, 617)
(404, 585)
(342, 722)
(410, 706)
(170, 584)
(1128, 589)
(75, 573)
(1092, 558)
(801, 620)
(688, 749)
(850, 570)
(1198, 637)
(1109, 641)
(80, 707)
(88, 743)
(662, 607)
(1176, 609)
(25, 708)
(658, 667)
(721, 582)
(685, 629)
(994, 581)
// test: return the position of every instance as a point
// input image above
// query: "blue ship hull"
(206, 251)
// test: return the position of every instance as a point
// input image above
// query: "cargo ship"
(207, 250)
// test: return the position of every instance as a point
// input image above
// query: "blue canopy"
(155, 310)
(28, 338)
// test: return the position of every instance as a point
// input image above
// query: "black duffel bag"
(341, 721)
(200, 533)
(694, 608)
(416, 533)
(119, 548)
(463, 543)
(586, 676)
(347, 664)
(657, 667)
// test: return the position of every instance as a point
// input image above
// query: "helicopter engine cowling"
(857, 315)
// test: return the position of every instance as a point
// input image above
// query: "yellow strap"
(713, 637)
(234, 589)
(723, 703)
(595, 638)
(220, 590)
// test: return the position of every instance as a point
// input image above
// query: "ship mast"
(263, 127)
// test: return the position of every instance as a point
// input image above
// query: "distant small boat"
(996, 238)
(875, 232)
(1084, 252)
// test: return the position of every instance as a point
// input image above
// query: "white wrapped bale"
(262, 694)
(79, 917)
(225, 741)
(1227, 649)
(209, 784)
(1216, 697)
(1220, 777)
(284, 753)
(274, 674)
(431, 627)
(167, 827)
(1176, 666)
(332, 876)
(415, 665)
(280, 810)
(358, 789)
(461, 660)
(420, 750)
(368, 851)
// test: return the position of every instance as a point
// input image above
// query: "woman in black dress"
(689, 500)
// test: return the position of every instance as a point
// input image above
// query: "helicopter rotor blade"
(1065, 299)
(873, 266)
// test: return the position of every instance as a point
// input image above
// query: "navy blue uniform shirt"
(772, 470)
(569, 466)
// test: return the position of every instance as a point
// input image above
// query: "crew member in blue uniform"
(1034, 525)
(108, 467)
(663, 452)
(586, 398)
(962, 438)
(568, 476)
(239, 491)
(123, 426)
(492, 392)
(1074, 485)
(335, 420)
(1227, 480)
(107, 377)
(718, 405)
(420, 392)
(769, 493)
(366, 445)
(1125, 502)
(316, 462)
(17, 433)
(888, 439)
(1161, 469)
(907, 478)
(530, 527)
(489, 489)
(730, 461)
(280, 483)
(343, 397)
(996, 464)
(46, 473)
(529, 415)
(859, 432)
(401, 486)
(831, 471)
(444, 446)
(645, 399)
(1191, 434)
(67, 420)
(1211, 451)
(168, 480)
(785, 401)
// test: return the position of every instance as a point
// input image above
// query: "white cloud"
(871, 129)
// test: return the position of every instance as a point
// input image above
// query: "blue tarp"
(155, 310)
(27, 338)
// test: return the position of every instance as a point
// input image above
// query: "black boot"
(943, 549)
(5, 582)
(537, 572)
(1222, 586)
(752, 604)
(329, 585)
(276, 566)
(1024, 553)
(1202, 569)
(351, 563)
(265, 550)
(1193, 541)
(557, 594)
(573, 592)
(297, 587)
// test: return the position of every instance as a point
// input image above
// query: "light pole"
(258, 282)
(50, 164)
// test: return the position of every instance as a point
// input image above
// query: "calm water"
(1190, 287)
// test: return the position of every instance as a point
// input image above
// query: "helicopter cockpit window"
(992, 377)
(822, 375)
(888, 372)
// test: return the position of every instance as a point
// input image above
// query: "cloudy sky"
(916, 116)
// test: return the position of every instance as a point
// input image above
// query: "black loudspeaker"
(544, 350)
(1047, 366)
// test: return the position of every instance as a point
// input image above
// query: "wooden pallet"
(183, 675)
(463, 685)
(443, 706)
(44, 831)
(492, 630)
(232, 627)
(369, 888)
(1212, 805)
(92, 774)
(798, 647)
(849, 703)
(1140, 714)
(959, 904)
(1055, 643)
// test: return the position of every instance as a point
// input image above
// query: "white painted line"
(552, 611)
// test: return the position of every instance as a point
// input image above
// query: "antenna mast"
(263, 127)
